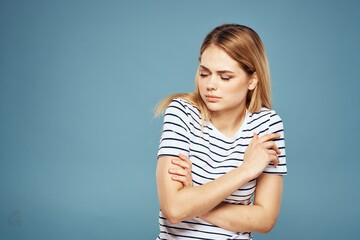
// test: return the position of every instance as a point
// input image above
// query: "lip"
(212, 98)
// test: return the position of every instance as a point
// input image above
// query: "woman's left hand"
(182, 175)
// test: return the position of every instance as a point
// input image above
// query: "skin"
(180, 200)
(228, 112)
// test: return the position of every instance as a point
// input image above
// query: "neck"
(228, 122)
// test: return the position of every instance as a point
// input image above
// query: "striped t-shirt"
(213, 154)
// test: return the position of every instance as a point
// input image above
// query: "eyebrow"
(222, 71)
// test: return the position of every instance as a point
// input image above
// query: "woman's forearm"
(179, 203)
(239, 218)
(260, 217)
(185, 203)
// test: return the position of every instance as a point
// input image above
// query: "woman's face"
(223, 84)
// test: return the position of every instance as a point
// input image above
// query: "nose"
(212, 83)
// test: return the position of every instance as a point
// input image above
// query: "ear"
(253, 81)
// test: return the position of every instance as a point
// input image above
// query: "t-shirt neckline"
(221, 135)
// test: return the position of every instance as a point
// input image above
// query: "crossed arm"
(179, 203)
(260, 217)
(205, 201)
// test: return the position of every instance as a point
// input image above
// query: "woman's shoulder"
(180, 102)
(265, 119)
(264, 111)
(183, 109)
(183, 102)
(184, 105)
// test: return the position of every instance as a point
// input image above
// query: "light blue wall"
(79, 79)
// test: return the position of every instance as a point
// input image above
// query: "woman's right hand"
(260, 152)
(182, 175)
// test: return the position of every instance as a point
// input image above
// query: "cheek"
(201, 85)
(237, 89)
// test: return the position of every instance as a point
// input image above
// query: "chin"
(213, 107)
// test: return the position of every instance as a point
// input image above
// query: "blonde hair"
(245, 46)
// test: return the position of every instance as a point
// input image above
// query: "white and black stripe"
(213, 154)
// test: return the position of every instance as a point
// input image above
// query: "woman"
(221, 145)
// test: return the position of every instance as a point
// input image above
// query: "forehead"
(216, 59)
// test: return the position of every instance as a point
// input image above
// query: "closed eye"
(223, 78)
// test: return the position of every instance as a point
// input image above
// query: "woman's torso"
(212, 154)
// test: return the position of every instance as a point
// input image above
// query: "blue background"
(79, 80)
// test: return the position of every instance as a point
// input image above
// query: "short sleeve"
(276, 126)
(175, 136)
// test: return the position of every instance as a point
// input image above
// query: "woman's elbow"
(172, 214)
(268, 225)
(172, 218)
